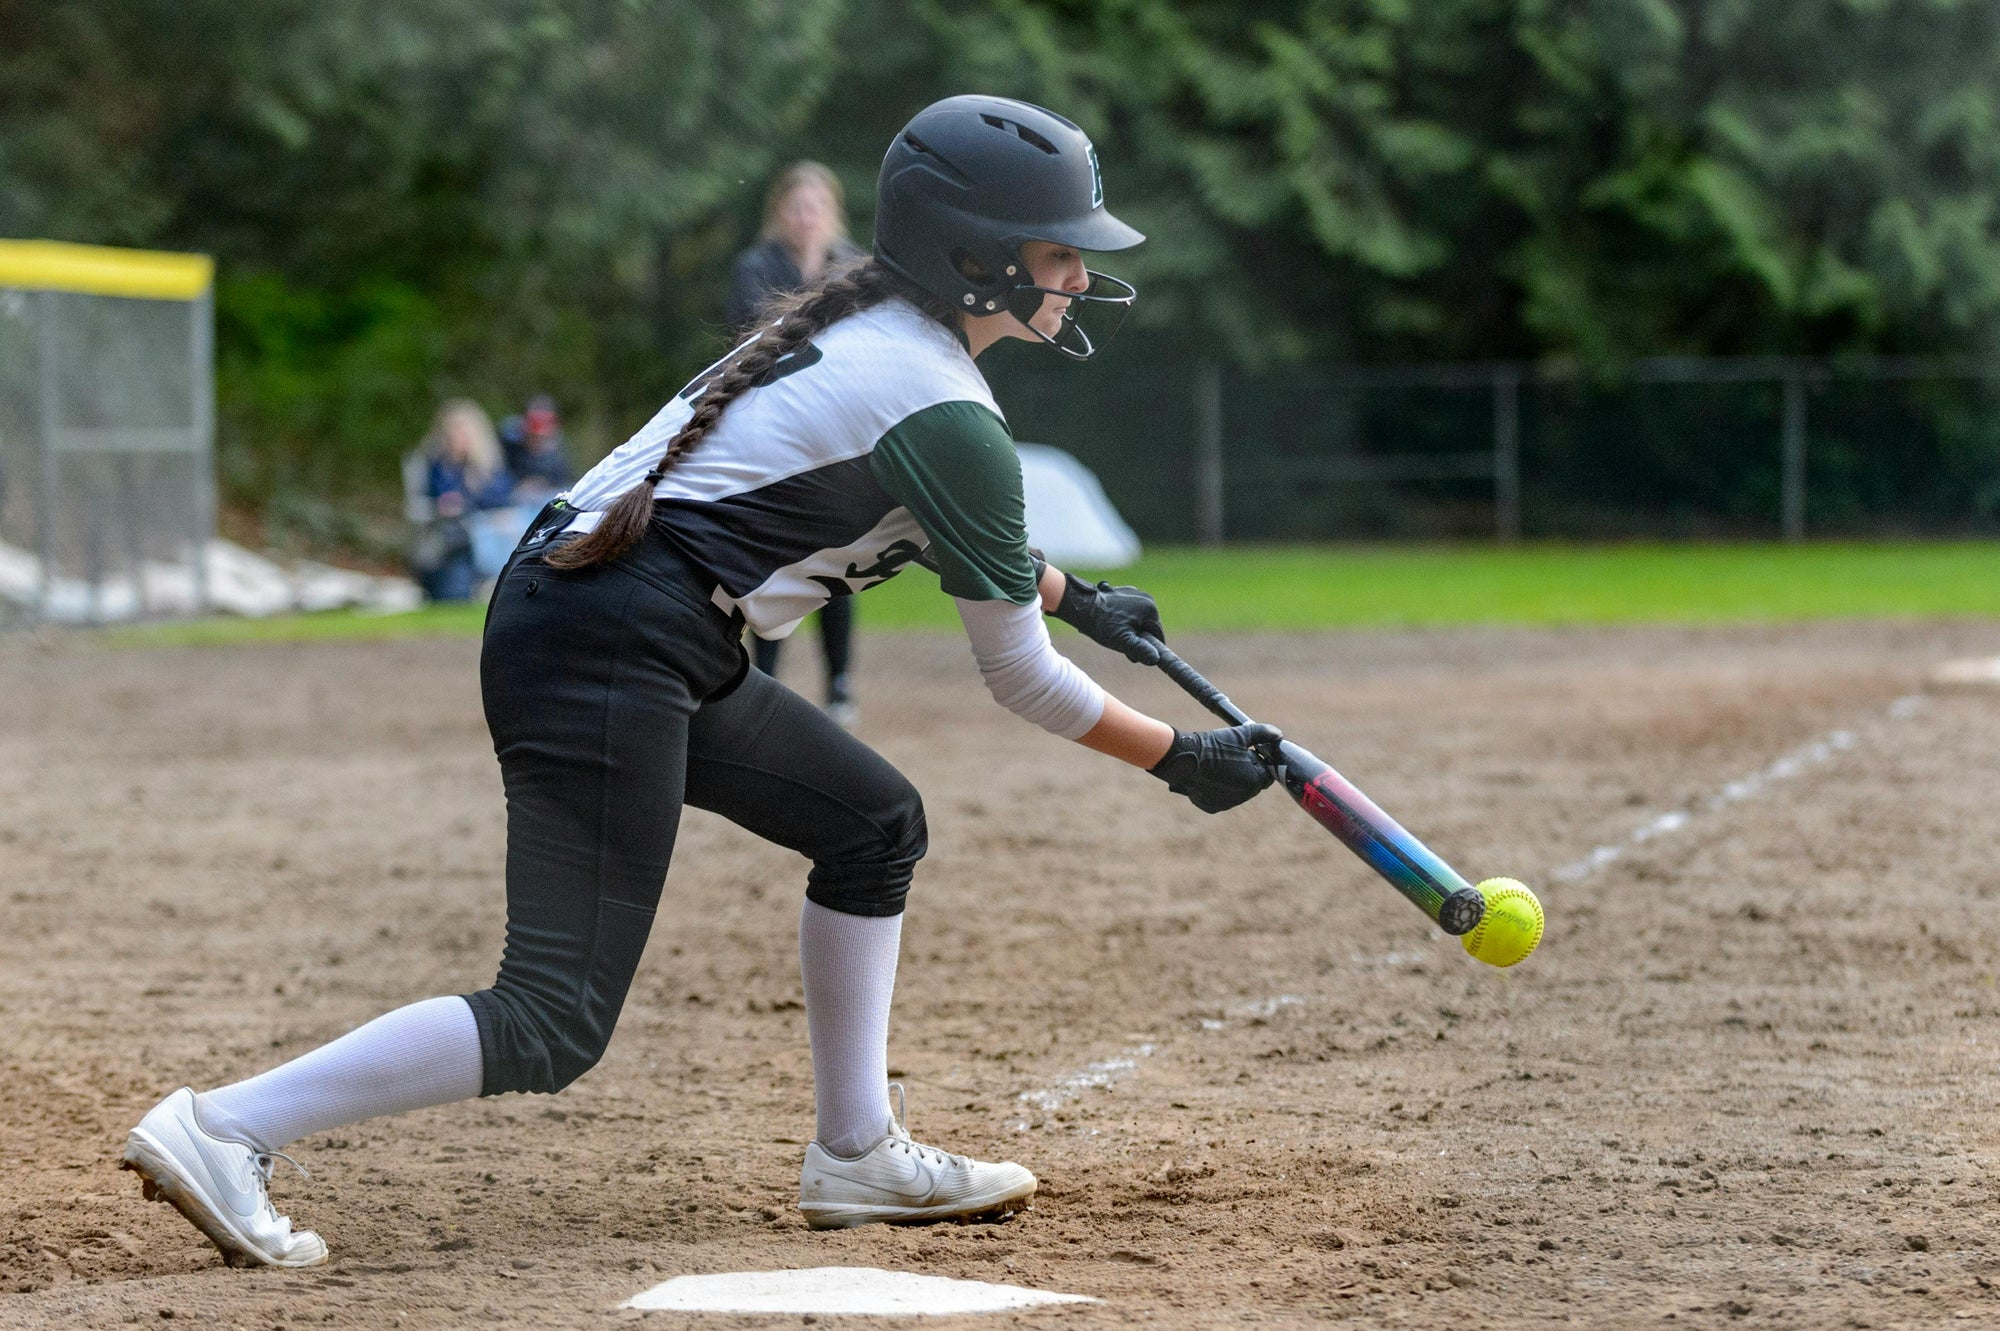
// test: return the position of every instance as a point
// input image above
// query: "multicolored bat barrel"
(1337, 805)
(1433, 886)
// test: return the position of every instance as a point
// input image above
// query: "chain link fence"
(106, 431)
(1753, 448)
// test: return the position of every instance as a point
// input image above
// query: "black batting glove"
(1218, 769)
(1121, 618)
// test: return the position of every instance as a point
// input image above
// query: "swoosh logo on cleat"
(918, 1178)
(243, 1201)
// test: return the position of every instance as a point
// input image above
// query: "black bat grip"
(1203, 692)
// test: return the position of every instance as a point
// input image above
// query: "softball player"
(850, 436)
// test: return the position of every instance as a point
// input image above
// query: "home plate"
(840, 1289)
(1983, 673)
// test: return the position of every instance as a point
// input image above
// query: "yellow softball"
(1511, 927)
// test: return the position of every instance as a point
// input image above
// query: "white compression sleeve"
(1024, 672)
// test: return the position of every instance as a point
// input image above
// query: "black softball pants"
(836, 639)
(615, 695)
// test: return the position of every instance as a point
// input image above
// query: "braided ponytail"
(785, 324)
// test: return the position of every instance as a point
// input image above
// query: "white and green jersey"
(877, 442)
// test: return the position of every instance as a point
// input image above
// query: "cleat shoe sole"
(160, 1180)
(984, 1211)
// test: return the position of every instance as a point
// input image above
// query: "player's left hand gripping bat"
(1433, 886)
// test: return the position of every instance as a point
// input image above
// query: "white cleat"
(898, 1181)
(221, 1186)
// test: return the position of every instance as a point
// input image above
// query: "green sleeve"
(954, 467)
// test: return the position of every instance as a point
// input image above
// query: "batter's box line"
(1107, 1072)
(1799, 760)
(1104, 1073)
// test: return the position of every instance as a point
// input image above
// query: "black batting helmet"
(971, 178)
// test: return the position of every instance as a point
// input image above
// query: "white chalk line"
(1262, 1008)
(1107, 1072)
(1799, 760)
(1103, 1073)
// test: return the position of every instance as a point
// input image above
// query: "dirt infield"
(1749, 1077)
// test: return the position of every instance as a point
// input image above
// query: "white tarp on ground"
(1069, 519)
(240, 582)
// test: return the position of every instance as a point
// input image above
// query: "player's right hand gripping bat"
(1433, 886)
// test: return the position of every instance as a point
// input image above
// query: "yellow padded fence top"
(97, 270)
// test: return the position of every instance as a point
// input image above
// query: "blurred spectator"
(465, 475)
(513, 433)
(805, 234)
(538, 453)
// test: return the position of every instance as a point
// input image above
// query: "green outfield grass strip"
(1281, 588)
(433, 621)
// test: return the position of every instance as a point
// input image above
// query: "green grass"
(1330, 587)
(433, 621)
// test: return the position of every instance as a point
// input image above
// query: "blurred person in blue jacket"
(466, 476)
(804, 234)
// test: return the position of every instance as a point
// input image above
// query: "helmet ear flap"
(972, 268)
(986, 290)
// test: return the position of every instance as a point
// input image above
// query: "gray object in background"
(107, 430)
(1069, 518)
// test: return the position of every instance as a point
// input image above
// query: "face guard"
(1107, 299)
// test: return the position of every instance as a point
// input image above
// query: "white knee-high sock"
(848, 963)
(421, 1055)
